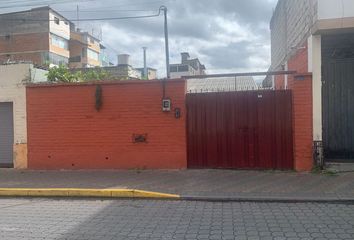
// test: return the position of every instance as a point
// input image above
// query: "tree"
(63, 74)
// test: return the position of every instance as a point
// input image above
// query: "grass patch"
(320, 170)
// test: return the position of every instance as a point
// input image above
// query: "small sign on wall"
(166, 105)
(139, 138)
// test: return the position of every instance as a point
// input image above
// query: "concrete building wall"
(278, 30)
(12, 89)
(152, 74)
(12, 23)
(61, 28)
(69, 133)
(123, 71)
(334, 16)
(331, 9)
(180, 74)
(290, 26)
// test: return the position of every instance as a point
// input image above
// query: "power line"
(102, 10)
(139, 3)
(31, 3)
(84, 20)
(39, 2)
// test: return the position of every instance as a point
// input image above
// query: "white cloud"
(227, 35)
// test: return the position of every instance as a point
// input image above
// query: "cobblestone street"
(145, 219)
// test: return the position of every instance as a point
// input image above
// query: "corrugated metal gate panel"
(240, 130)
(6, 134)
(338, 109)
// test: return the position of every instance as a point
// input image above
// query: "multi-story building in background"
(151, 73)
(123, 70)
(187, 67)
(40, 35)
(104, 56)
(85, 50)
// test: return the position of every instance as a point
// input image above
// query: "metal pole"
(78, 16)
(145, 66)
(168, 75)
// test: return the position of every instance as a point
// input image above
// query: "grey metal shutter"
(6, 134)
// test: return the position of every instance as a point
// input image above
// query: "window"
(183, 68)
(92, 41)
(92, 54)
(59, 42)
(56, 20)
(173, 68)
(84, 52)
(54, 58)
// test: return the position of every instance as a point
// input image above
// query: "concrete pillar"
(315, 66)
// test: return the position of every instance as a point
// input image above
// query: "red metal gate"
(240, 130)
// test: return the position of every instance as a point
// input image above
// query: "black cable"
(101, 10)
(49, 2)
(83, 20)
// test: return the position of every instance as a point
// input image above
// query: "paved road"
(143, 219)
(211, 183)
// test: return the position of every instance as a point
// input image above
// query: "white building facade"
(13, 116)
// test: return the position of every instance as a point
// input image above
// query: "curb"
(268, 199)
(80, 192)
(140, 194)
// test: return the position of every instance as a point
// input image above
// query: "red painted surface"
(240, 130)
(66, 132)
(302, 104)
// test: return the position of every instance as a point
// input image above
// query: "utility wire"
(138, 3)
(29, 3)
(101, 10)
(41, 2)
(83, 20)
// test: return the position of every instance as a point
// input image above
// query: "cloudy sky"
(226, 35)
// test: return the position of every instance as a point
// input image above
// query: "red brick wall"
(24, 47)
(302, 115)
(66, 132)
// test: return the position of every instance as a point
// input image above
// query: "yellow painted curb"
(80, 192)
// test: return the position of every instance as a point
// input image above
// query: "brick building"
(45, 37)
(40, 35)
(316, 38)
(84, 49)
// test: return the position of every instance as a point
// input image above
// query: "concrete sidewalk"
(196, 184)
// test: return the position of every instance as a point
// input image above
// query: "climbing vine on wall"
(98, 96)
